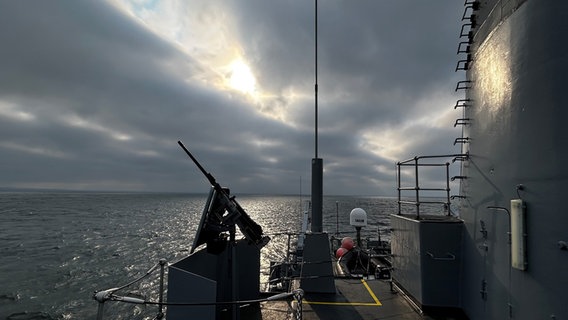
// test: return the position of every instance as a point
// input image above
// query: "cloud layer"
(95, 95)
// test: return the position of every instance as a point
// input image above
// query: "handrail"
(433, 157)
(103, 296)
(417, 188)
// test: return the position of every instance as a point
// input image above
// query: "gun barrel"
(207, 174)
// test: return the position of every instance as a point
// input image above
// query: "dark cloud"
(92, 98)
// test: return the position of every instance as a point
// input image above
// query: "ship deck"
(357, 299)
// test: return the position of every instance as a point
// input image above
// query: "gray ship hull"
(516, 143)
(506, 255)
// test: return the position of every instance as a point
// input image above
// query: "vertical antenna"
(316, 77)
(319, 277)
(317, 163)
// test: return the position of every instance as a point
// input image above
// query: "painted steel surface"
(517, 151)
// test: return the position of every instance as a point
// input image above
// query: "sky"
(94, 95)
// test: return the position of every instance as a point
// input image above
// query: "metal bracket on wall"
(461, 158)
(473, 5)
(461, 140)
(464, 47)
(463, 64)
(463, 85)
(461, 122)
(462, 103)
(448, 257)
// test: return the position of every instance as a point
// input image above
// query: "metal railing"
(417, 163)
(103, 296)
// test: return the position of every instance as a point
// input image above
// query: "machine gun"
(214, 221)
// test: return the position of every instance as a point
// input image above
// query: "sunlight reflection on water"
(58, 248)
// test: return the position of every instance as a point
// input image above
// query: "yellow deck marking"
(368, 304)
(371, 292)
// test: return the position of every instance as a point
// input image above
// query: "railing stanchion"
(299, 296)
(161, 301)
(398, 178)
(417, 186)
(100, 310)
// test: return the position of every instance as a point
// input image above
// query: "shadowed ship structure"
(504, 256)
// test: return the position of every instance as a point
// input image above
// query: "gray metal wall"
(427, 257)
(517, 137)
(205, 277)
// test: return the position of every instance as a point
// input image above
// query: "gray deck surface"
(355, 299)
(359, 299)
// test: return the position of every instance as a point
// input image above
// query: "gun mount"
(227, 269)
(220, 215)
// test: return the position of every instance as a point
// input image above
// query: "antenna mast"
(316, 77)
(317, 163)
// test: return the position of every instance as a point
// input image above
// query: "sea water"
(57, 249)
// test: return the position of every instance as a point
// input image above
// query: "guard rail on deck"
(417, 163)
(103, 296)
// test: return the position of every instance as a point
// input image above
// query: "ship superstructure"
(505, 256)
(515, 222)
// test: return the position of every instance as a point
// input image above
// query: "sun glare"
(242, 78)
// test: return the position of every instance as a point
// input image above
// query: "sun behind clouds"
(242, 78)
